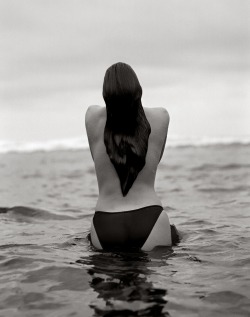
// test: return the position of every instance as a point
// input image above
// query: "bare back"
(142, 192)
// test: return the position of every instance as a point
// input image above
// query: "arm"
(164, 114)
(89, 124)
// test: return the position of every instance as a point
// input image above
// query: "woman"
(127, 142)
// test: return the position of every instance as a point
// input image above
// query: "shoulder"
(93, 111)
(162, 112)
(159, 115)
(93, 114)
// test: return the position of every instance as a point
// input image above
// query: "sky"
(191, 57)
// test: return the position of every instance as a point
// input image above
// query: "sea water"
(48, 267)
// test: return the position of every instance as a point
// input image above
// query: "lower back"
(139, 197)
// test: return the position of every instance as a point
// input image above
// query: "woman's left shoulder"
(94, 116)
(93, 112)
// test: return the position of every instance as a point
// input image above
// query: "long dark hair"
(127, 129)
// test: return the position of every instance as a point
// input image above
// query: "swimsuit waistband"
(138, 209)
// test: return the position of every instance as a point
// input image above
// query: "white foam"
(81, 143)
(51, 145)
(177, 141)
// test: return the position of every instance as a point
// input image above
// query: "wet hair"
(127, 129)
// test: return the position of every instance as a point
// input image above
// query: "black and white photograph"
(124, 158)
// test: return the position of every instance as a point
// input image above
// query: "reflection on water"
(48, 268)
(122, 281)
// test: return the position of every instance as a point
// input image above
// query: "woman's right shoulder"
(159, 115)
(162, 112)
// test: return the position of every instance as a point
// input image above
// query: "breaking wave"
(81, 143)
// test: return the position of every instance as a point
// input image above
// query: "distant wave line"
(81, 143)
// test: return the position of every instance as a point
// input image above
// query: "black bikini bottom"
(128, 229)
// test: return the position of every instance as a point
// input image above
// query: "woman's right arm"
(165, 118)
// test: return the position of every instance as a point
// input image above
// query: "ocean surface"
(48, 268)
